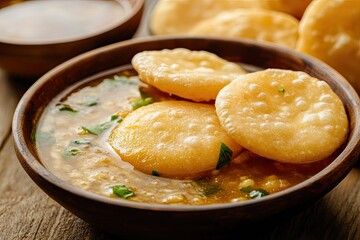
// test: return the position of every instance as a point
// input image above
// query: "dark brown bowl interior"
(141, 219)
(33, 60)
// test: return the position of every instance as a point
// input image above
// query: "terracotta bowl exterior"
(135, 220)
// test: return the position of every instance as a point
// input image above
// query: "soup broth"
(71, 139)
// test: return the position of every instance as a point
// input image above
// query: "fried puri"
(330, 31)
(180, 16)
(173, 138)
(257, 24)
(194, 75)
(283, 115)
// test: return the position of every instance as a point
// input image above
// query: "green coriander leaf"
(70, 152)
(207, 188)
(97, 129)
(224, 156)
(155, 173)
(258, 193)
(116, 118)
(124, 79)
(141, 103)
(202, 182)
(44, 139)
(247, 189)
(80, 142)
(122, 191)
(100, 128)
(91, 101)
(281, 90)
(117, 81)
(210, 190)
(76, 146)
(65, 107)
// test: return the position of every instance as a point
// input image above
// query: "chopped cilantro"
(65, 107)
(70, 152)
(76, 147)
(113, 118)
(281, 90)
(97, 129)
(80, 142)
(44, 139)
(207, 188)
(122, 191)
(224, 156)
(124, 79)
(247, 189)
(258, 193)
(118, 81)
(142, 102)
(155, 173)
(100, 128)
(210, 190)
(254, 193)
(91, 101)
(116, 118)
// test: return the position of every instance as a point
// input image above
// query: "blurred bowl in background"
(36, 36)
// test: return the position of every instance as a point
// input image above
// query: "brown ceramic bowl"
(31, 59)
(141, 219)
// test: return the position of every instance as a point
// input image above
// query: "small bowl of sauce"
(36, 36)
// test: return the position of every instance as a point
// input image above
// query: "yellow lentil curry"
(71, 139)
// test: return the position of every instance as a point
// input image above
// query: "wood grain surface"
(28, 213)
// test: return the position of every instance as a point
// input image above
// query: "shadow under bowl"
(31, 59)
(134, 219)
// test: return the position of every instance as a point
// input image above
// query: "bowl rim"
(136, 6)
(30, 161)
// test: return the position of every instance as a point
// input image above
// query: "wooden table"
(28, 213)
